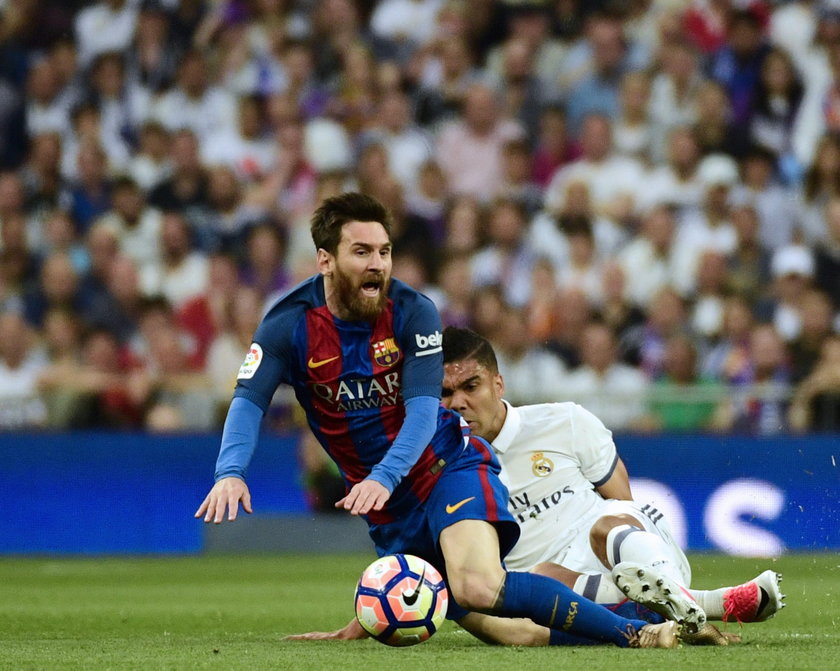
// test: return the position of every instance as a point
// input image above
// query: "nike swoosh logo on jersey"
(452, 508)
(318, 364)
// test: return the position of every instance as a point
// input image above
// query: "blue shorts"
(468, 489)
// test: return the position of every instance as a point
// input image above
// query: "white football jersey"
(553, 455)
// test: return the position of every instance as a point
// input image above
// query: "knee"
(476, 590)
(601, 529)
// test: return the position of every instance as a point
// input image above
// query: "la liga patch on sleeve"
(252, 361)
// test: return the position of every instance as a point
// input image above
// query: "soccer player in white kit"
(570, 493)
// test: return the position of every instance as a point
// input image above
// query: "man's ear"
(499, 381)
(325, 262)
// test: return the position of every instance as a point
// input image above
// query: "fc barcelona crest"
(541, 465)
(386, 353)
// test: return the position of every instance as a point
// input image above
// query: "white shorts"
(578, 555)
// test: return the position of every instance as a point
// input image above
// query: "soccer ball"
(401, 600)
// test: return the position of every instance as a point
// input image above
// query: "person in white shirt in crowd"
(708, 227)
(673, 95)
(21, 364)
(585, 270)
(194, 102)
(182, 272)
(548, 228)
(530, 24)
(246, 148)
(613, 180)
(632, 131)
(508, 258)
(675, 181)
(151, 163)
(46, 109)
(137, 225)
(407, 147)
(612, 390)
(105, 26)
(648, 259)
(792, 269)
(406, 22)
(774, 203)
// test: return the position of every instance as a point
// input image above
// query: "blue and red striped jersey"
(352, 379)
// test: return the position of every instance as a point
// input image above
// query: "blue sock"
(558, 637)
(553, 605)
(634, 611)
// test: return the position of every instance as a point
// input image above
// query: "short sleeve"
(593, 446)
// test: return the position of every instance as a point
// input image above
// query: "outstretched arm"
(352, 631)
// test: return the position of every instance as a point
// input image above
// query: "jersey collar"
(509, 429)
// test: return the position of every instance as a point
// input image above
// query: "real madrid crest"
(541, 465)
(385, 352)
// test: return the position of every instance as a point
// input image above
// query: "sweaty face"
(475, 392)
(361, 271)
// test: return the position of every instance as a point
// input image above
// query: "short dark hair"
(334, 212)
(461, 343)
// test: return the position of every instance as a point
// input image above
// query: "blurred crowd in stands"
(637, 201)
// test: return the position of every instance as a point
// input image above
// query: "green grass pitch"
(231, 613)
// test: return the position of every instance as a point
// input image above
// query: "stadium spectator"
(507, 258)
(644, 345)
(262, 267)
(244, 147)
(708, 227)
(470, 151)
(181, 271)
(827, 254)
(137, 225)
(555, 147)
(706, 313)
(816, 315)
(516, 177)
(614, 391)
(117, 310)
(45, 187)
(632, 130)
(523, 94)
(647, 260)
(612, 180)
(738, 63)
(151, 163)
(727, 359)
(533, 374)
(773, 202)
(444, 82)
(674, 92)
(105, 26)
(792, 270)
(234, 332)
(681, 400)
(186, 187)
(91, 187)
(714, 127)
(757, 401)
(58, 286)
(676, 180)
(749, 263)
(406, 145)
(820, 184)
(816, 401)
(194, 102)
(21, 362)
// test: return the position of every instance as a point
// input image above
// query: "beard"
(349, 294)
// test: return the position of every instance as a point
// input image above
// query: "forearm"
(416, 433)
(239, 439)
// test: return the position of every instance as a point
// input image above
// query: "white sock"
(628, 543)
(711, 601)
(599, 588)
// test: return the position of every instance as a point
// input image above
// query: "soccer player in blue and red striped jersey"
(363, 353)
